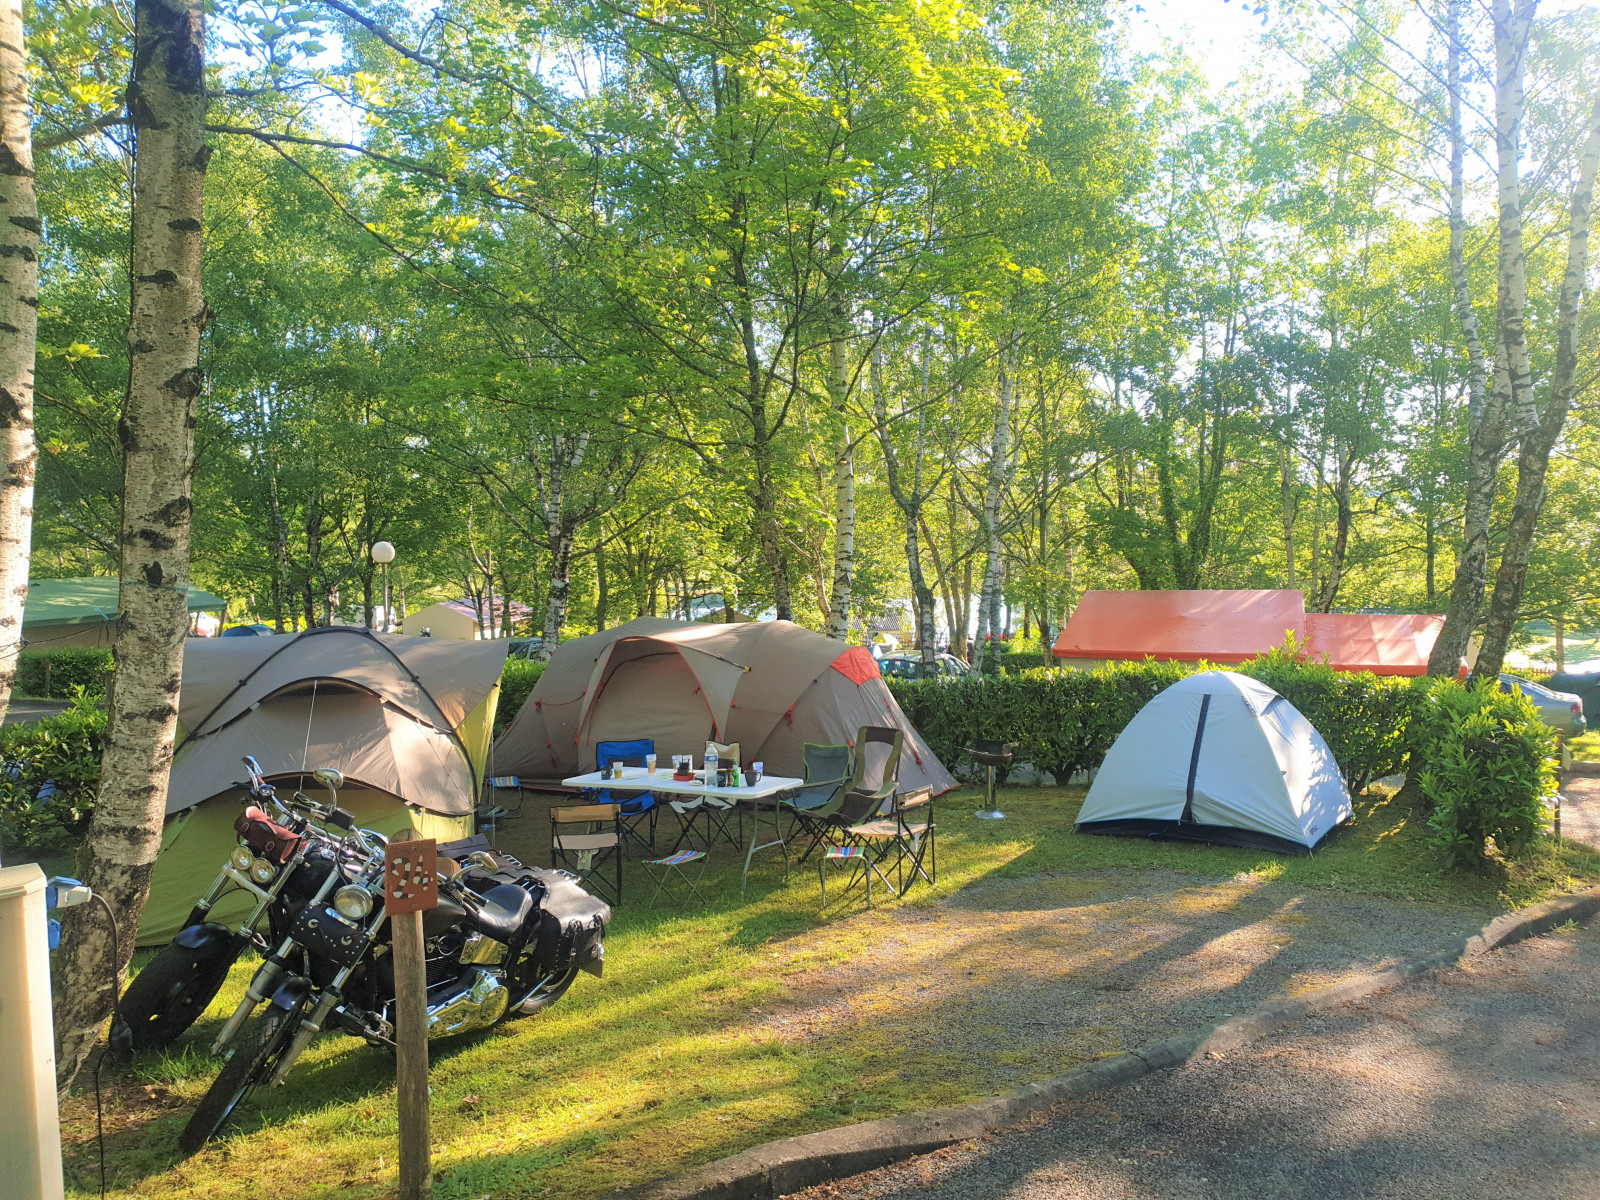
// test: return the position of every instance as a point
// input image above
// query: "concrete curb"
(793, 1164)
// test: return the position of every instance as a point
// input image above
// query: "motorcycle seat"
(503, 913)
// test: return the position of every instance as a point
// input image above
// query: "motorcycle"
(284, 861)
(505, 939)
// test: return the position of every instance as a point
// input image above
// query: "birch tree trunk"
(166, 108)
(999, 458)
(908, 501)
(550, 469)
(555, 609)
(844, 488)
(1533, 459)
(19, 323)
(1485, 415)
(1286, 509)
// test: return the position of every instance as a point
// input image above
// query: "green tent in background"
(83, 611)
(408, 721)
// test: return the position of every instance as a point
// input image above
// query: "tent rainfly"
(83, 611)
(408, 721)
(771, 686)
(1219, 757)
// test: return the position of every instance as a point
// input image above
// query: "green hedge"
(1487, 768)
(1065, 721)
(50, 776)
(57, 674)
(516, 685)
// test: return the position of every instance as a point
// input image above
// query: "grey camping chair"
(827, 774)
(872, 786)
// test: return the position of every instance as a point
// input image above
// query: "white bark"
(166, 107)
(551, 463)
(999, 477)
(844, 487)
(19, 322)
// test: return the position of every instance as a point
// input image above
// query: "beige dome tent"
(408, 721)
(771, 686)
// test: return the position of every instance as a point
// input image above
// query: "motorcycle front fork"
(267, 977)
(332, 996)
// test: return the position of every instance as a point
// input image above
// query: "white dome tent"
(1219, 757)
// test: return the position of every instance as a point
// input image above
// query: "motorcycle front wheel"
(248, 1067)
(169, 995)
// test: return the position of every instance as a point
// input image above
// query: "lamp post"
(383, 555)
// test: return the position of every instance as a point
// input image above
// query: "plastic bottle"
(711, 767)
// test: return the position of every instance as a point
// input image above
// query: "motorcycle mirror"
(252, 765)
(329, 777)
(480, 859)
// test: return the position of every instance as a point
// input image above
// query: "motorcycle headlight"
(352, 902)
(262, 871)
(241, 858)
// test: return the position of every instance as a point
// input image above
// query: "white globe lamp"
(383, 555)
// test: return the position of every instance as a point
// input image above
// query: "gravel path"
(1475, 1083)
(1580, 809)
(1018, 980)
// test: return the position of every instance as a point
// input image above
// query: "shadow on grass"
(672, 1059)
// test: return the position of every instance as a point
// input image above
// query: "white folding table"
(765, 794)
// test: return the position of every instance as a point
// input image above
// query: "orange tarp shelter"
(1384, 643)
(1218, 626)
(1236, 626)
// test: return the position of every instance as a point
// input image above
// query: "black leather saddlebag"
(572, 924)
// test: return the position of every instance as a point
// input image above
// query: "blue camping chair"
(638, 810)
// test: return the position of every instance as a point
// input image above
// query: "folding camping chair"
(586, 853)
(673, 864)
(827, 772)
(907, 833)
(871, 790)
(727, 754)
(637, 808)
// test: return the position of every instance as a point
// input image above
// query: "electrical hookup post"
(410, 888)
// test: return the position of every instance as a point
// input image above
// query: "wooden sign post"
(410, 886)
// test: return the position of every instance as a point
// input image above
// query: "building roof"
(1219, 626)
(1235, 626)
(90, 598)
(1385, 643)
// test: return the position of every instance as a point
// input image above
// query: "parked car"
(1585, 685)
(256, 630)
(907, 664)
(524, 648)
(1562, 711)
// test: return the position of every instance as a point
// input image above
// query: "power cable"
(116, 1014)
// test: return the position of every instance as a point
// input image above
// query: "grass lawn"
(1587, 747)
(666, 1063)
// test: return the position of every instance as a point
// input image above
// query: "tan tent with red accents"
(771, 686)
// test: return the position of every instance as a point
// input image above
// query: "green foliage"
(516, 685)
(1066, 721)
(1489, 769)
(1024, 660)
(59, 674)
(51, 775)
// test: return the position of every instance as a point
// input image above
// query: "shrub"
(57, 674)
(1488, 768)
(50, 775)
(1025, 660)
(516, 685)
(1065, 721)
